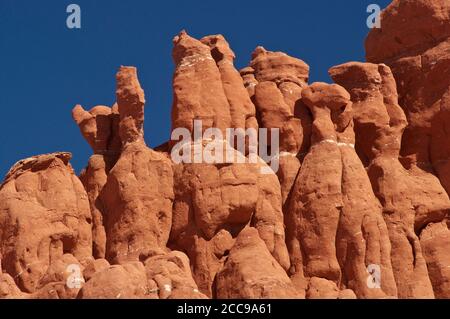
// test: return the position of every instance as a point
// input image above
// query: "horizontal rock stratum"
(357, 205)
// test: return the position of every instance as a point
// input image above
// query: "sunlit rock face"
(349, 201)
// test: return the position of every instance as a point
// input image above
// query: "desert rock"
(411, 197)
(414, 40)
(251, 272)
(44, 214)
(334, 218)
(214, 202)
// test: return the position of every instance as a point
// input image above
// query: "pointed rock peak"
(184, 46)
(128, 86)
(258, 51)
(220, 49)
(180, 36)
(130, 100)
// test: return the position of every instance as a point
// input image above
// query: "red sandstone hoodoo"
(359, 207)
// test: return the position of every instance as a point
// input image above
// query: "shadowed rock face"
(411, 198)
(358, 207)
(275, 82)
(100, 128)
(335, 226)
(415, 42)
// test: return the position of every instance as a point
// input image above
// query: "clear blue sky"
(47, 68)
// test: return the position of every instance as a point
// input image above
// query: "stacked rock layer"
(357, 206)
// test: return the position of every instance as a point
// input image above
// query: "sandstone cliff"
(352, 202)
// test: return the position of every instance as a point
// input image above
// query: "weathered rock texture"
(415, 42)
(44, 214)
(275, 82)
(138, 193)
(214, 202)
(335, 220)
(198, 92)
(411, 198)
(239, 278)
(100, 127)
(357, 206)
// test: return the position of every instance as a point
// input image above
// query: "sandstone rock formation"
(416, 47)
(138, 193)
(275, 81)
(100, 128)
(242, 110)
(44, 214)
(214, 202)
(240, 278)
(411, 198)
(171, 275)
(126, 281)
(198, 92)
(356, 207)
(415, 42)
(335, 220)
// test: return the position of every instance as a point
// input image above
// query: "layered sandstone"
(100, 128)
(214, 202)
(336, 229)
(349, 201)
(411, 198)
(414, 42)
(274, 81)
(44, 214)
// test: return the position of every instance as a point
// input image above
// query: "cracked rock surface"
(351, 201)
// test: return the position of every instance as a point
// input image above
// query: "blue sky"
(47, 68)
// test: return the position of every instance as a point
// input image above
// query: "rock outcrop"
(269, 187)
(100, 128)
(414, 41)
(138, 193)
(275, 82)
(411, 198)
(198, 92)
(240, 278)
(44, 214)
(214, 202)
(335, 220)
